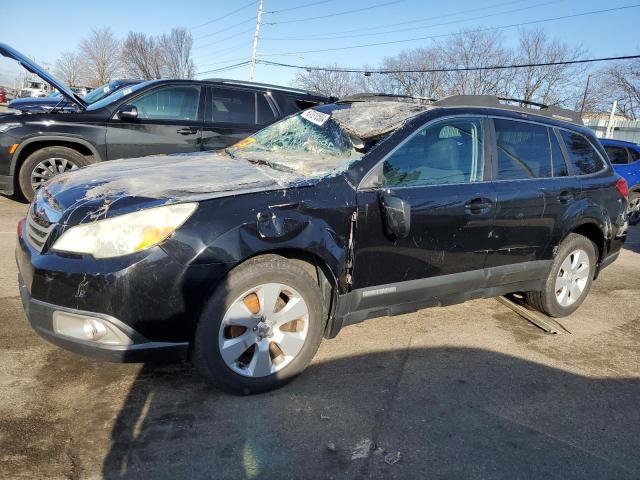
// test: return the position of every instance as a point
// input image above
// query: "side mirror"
(128, 112)
(396, 215)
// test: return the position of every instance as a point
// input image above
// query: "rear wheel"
(261, 327)
(46, 163)
(569, 280)
(633, 210)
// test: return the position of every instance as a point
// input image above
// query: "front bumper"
(152, 297)
(40, 315)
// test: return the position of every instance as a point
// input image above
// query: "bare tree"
(141, 56)
(550, 84)
(70, 68)
(101, 52)
(338, 84)
(470, 49)
(622, 81)
(175, 50)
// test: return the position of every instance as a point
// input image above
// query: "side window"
(523, 150)
(617, 155)
(450, 151)
(232, 106)
(583, 157)
(172, 103)
(557, 157)
(265, 112)
(635, 155)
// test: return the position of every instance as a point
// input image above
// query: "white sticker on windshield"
(126, 91)
(107, 89)
(315, 116)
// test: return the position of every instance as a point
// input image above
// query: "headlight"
(125, 234)
(4, 127)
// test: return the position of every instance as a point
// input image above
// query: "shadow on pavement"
(451, 412)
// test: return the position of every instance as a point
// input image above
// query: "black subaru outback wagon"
(243, 260)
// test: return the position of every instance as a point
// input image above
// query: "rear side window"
(231, 106)
(450, 151)
(635, 155)
(557, 157)
(523, 150)
(617, 155)
(583, 156)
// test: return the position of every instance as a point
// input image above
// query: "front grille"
(38, 230)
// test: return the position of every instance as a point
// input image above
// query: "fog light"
(87, 328)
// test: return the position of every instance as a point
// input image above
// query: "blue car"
(625, 157)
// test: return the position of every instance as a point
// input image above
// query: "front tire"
(45, 164)
(569, 279)
(261, 327)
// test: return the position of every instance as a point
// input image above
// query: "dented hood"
(120, 186)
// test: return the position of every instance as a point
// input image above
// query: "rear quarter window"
(617, 155)
(583, 158)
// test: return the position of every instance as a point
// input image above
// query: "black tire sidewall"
(24, 176)
(206, 353)
(571, 243)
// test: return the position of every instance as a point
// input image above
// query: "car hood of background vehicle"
(120, 186)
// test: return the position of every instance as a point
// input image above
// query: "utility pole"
(255, 41)
(609, 131)
(586, 91)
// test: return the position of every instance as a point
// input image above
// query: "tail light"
(622, 187)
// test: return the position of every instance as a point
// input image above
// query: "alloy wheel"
(263, 330)
(633, 210)
(49, 168)
(572, 278)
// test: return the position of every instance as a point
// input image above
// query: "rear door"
(439, 175)
(232, 114)
(169, 121)
(523, 164)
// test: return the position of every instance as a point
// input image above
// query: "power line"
(370, 7)
(387, 25)
(392, 42)
(225, 15)
(422, 27)
(224, 39)
(228, 67)
(449, 69)
(300, 6)
(228, 51)
(252, 19)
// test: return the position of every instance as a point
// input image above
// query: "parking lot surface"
(469, 391)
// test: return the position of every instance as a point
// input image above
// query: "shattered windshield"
(310, 144)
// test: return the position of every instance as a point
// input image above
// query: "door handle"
(565, 197)
(188, 131)
(478, 206)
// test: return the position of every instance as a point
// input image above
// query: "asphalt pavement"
(469, 391)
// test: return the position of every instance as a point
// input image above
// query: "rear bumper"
(40, 316)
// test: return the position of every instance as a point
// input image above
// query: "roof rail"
(263, 85)
(382, 97)
(513, 104)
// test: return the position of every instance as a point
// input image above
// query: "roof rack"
(513, 104)
(382, 97)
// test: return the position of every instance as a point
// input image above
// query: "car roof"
(245, 84)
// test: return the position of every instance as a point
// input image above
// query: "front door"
(168, 121)
(439, 177)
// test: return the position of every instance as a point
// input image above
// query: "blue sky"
(48, 34)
